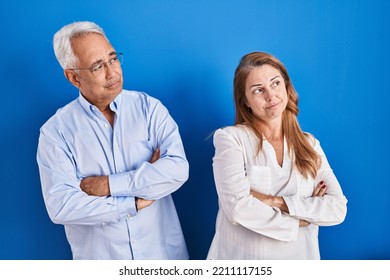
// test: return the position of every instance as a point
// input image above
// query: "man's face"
(99, 87)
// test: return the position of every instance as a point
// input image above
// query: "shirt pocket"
(259, 178)
(305, 186)
(139, 152)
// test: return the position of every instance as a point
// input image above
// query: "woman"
(274, 183)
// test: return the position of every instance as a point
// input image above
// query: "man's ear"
(72, 77)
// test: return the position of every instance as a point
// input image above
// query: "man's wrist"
(136, 203)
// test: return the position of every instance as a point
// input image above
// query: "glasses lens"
(97, 68)
(120, 58)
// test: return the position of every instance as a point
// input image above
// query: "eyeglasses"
(98, 67)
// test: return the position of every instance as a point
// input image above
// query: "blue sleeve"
(65, 202)
(166, 175)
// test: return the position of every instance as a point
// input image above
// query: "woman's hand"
(270, 200)
(278, 201)
(303, 223)
(320, 190)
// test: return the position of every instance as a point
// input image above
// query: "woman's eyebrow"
(259, 85)
(256, 85)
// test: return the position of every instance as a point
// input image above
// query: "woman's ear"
(72, 77)
(245, 101)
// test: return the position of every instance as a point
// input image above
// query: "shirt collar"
(91, 109)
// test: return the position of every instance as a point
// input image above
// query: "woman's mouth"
(273, 105)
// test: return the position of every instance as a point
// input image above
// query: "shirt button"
(128, 216)
(106, 125)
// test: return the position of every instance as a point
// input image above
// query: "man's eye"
(97, 67)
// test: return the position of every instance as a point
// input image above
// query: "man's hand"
(155, 156)
(96, 186)
(143, 203)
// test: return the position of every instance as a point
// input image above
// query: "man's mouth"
(111, 85)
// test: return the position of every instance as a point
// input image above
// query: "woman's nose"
(269, 94)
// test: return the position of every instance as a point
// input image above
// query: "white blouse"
(247, 228)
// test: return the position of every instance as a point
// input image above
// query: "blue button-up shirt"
(79, 142)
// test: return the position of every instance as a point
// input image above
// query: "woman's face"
(266, 93)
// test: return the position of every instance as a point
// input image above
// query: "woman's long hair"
(306, 159)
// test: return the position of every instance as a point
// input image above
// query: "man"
(110, 159)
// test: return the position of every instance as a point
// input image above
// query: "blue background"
(185, 54)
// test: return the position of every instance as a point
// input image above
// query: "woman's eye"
(259, 90)
(275, 83)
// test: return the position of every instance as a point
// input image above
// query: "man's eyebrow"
(100, 60)
(96, 62)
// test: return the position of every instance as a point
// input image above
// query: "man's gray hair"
(62, 41)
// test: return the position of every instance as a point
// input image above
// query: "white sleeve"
(328, 210)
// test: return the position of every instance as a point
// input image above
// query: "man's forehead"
(92, 47)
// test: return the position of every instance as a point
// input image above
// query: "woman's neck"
(271, 131)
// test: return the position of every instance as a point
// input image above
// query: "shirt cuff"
(290, 205)
(118, 184)
(295, 231)
(126, 207)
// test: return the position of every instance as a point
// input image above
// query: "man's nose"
(109, 71)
